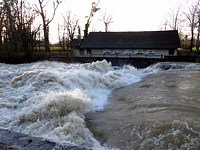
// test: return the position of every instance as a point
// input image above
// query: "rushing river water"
(98, 106)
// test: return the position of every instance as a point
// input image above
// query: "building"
(146, 44)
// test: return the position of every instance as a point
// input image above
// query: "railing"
(126, 55)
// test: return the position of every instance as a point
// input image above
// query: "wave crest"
(55, 105)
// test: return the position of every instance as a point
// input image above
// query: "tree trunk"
(197, 43)
(192, 39)
(46, 38)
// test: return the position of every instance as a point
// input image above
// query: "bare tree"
(71, 25)
(107, 20)
(191, 17)
(173, 19)
(198, 30)
(17, 23)
(94, 9)
(2, 16)
(10, 23)
(46, 21)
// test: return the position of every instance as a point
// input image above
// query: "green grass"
(55, 48)
(193, 49)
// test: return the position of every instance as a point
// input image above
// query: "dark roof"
(144, 40)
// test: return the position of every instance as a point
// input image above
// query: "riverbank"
(19, 141)
(10, 140)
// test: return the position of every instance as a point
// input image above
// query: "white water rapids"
(49, 99)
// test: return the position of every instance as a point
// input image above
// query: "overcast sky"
(128, 15)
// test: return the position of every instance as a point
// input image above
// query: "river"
(98, 106)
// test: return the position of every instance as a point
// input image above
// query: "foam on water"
(166, 135)
(49, 99)
(173, 66)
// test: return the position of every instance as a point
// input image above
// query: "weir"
(137, 62)
(67, 57)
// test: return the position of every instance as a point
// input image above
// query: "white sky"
(128, 15)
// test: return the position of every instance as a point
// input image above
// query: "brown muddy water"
(160, 112)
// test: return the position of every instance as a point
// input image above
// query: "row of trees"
(71, 27)
(25, 27)
(19, 32)
(186, 19)
(16, 32)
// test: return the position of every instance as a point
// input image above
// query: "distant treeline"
(16, 35)
(20, 35)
